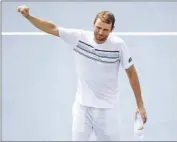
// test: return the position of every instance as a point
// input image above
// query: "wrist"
(140, 106)
(28, 16)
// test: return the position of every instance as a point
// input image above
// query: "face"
(101, 31)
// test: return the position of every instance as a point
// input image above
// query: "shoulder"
(114, 39)
(86, 33)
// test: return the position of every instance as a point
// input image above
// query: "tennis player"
(98, 56)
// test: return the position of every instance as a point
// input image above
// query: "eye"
(106, 30)
(98, 27)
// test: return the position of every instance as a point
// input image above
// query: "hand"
(24, 10)
(143, 114)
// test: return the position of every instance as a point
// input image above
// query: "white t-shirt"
(97, 66)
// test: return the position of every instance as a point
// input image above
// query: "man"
(98, 55)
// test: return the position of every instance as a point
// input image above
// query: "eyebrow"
(102, 28)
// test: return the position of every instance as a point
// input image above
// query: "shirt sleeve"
(126, 59)
(70, 36)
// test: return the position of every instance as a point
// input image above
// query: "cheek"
(96, 31)
(106, 33)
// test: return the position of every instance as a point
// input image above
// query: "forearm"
(134, 82)
(42, 24)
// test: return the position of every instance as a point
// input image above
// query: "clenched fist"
(24, 10)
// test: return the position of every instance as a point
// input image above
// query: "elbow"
(132, 75)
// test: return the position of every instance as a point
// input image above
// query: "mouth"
(100, 36)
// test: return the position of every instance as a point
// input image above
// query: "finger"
(26, 11)
(20, 8)
(23, 12)
(144, 119)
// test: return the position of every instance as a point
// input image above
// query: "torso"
(97, 67)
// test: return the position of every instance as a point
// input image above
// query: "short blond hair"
(106, 17)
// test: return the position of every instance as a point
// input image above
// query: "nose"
(100, 32)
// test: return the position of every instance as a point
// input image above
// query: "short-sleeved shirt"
(97, 66)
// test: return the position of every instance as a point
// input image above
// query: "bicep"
(130, 71)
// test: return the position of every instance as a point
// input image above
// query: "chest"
(103, 52)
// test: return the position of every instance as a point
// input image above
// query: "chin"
(100, 41)
(103, 39)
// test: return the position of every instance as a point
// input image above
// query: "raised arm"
(69, 35)
(43, 25)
